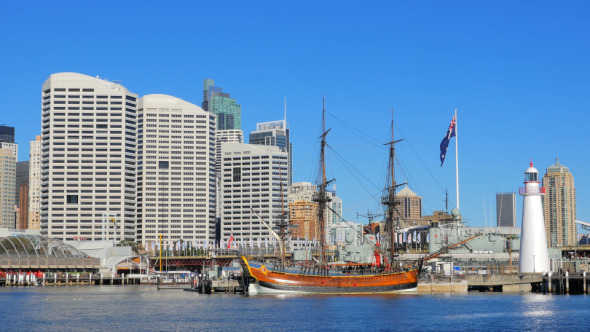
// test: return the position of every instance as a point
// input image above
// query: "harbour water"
(143, 308)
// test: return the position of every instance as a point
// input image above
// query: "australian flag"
(444, 145)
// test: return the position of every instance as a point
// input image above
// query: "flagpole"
(457, 157)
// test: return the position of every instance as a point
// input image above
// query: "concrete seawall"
(458, 287)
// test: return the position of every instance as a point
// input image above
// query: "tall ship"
(319, 276)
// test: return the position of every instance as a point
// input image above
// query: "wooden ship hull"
(264, 279)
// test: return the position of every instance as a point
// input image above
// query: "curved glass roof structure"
(36, 246)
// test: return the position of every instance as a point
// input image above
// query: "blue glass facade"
(227, 110)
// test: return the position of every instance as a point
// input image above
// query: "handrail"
(531, 191)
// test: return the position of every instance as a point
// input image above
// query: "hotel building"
(88, 157)
(176, 171)
(253, 177)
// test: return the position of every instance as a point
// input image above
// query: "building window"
(72, 199)
(163, 165)
(237, 174)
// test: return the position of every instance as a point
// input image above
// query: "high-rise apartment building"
(506, 209)
(34, 183)
(7, 140)
(222, 137)
(274, 133)
(408, 206)
(335, 209)
(227, 110)
(251, 181)
(22, 176)
(305, 191)
(21, 197)
(88, 158)
(559, 205)
(302, 191)
(176, 171)
(303, 217)
(6, 134)
(7, 188)
(23, 206)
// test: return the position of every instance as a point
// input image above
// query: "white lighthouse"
(534, 256)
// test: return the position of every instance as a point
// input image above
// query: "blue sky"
(518, 73)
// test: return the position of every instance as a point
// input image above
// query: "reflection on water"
(143, 308)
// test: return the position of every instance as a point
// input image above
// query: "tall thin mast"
(457, 157)
(389, 197)
(282, 223)
(321, 197)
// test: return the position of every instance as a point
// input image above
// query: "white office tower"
(175, 171)
(225, 136)
(534, 256)
(34, 183)
(252, 177)
(88, 152)
(274, 133)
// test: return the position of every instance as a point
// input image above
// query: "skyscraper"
(301, 192)
(88, 158)
(227, 110)
(8, 177)
(22, 175)
(7, 187)
(225, 136)
(21, 199)
(7, 140)
(408, 206)
(274, 133)
(23, 206)
(222, 137)
(6, 134)
(303, 217)
(506, 209)
(559, 206)
(175, 170)
(34, 183)
(250, 181)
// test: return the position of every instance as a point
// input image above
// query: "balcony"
(531, 191)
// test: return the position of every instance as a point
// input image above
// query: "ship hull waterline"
(266, 281)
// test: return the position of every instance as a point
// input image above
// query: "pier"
(71, 279)
(508, 283)
(551, 283)
(565, 282)
(219, 286)
(196, 260)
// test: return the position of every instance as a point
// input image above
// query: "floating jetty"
(219, 286)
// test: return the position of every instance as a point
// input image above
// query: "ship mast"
(389, 195)
(321, 198)
(282, 223)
